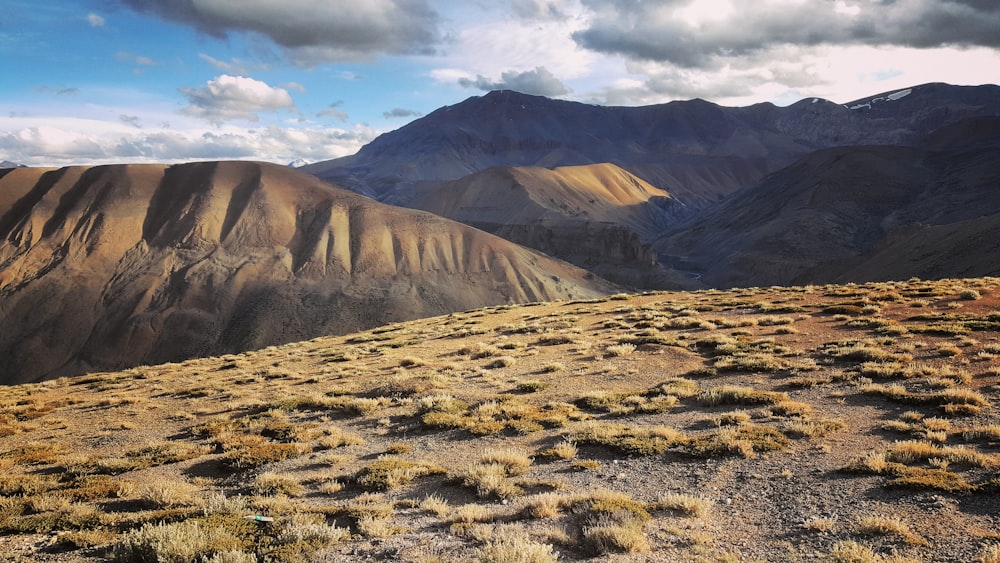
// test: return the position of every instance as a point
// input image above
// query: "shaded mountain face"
(599, 217)
(696, 150)
(115, 266)
(856, 214)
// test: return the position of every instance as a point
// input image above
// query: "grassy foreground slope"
(841, 423)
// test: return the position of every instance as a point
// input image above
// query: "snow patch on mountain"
(887, 98)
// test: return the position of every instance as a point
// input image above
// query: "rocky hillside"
(858, 213)
(115, 266)
(598, 217)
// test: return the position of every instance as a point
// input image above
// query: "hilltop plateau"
(841, 422)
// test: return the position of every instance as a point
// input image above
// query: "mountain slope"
(596, 216)
(696, 150)
(745, 425)
(858, 213)
(114, 266)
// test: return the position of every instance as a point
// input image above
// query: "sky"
(136, 81)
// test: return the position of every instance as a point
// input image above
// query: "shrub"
(562, 450)
(690, 505)
(388, 473)
(271, 484)
(629, 440)
(888, 526)
(180, 542)
(619, 350)
(169, 494)
(734, 395)
(490, 480)
(435, 505)
(257, 456)
(608, 534)
(515, 462)
(515, 547)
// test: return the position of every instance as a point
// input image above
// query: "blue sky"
(100, 81)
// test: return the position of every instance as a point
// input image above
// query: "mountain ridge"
(696, 150)
(119, 265)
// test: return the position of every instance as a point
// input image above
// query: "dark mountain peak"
(508, 96)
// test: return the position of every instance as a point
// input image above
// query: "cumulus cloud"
(95, 20)
(538, 82)
(395, 113)
(313, 31)
(695, 34)
(228, 97)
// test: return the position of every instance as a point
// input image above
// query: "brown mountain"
(113, 266)
(599, 216)
(856, 214)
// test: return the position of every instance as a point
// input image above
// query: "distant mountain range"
(113, 266)
(718, 216)
(695, 150)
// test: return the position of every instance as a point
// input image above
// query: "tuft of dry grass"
(736, 395)
(689, 505)
(887, 526)
(563, 450)
(272, 484)
(387, 474)
(515, 547)
(619, 350)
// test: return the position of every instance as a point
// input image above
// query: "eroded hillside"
(113, 266)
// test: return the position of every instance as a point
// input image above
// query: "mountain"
(9, 164)
(930, 210)
(696, 150)
(597, 216)
(114, 266)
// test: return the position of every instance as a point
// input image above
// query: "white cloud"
(697, 34)
(538, 82)
(735, 52)
(494, 46)
(313, 31)
(95, 20)
(226, 98)
(60, 141)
